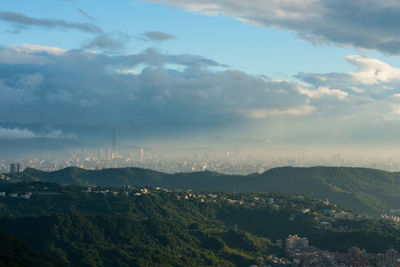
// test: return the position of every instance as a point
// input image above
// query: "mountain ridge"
(365, 190)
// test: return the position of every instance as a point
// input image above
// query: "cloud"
(20, 88)
(263, 113)
(22, 21)
(359, 23)
(373, 71)
(152, 57)
(324, 91)
(369, 94)
(373, 78)
(35, 49)
(153, 94)
(157, 36)
(110, 42)
(85, 14)
(114, 41)
(18, 133)
(117, 41)
(394, 114)
(81, 87)
(15, 133)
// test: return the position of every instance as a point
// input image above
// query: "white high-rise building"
(141, 154)
(19, 167)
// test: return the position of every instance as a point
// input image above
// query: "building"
(293, 242)
(13, 168)
(141, 154)
(343, 215)
(354, 252)
(380, 260)
(391, 258)
(114, 140)
(19, 167)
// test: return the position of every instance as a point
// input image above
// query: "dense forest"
(146, 226)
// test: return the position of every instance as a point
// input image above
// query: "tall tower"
(114, 140)
(13, 168)
(19, 167)
(141, 154)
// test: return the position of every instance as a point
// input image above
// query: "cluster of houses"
(4, 177)
(16, 195)
(324, 216)
(298, 252)
(393, 218)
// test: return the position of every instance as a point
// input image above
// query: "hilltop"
(364, 190)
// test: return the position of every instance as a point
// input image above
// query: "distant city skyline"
(180, 159)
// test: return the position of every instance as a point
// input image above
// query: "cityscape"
(184, 159)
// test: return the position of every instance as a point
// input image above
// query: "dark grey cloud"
(365, 24)
(180, 91)
(157, 36)
(21, 21)
(85, 14)
(152, 57)
(110, 42)
(117, 41)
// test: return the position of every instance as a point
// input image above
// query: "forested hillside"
(140, 226)
(364, 190)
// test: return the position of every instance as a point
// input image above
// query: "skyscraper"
(13, 168)
(141, 154)
(114, 140)
(19, 167)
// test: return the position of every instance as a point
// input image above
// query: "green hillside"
(136, 226)
(14, 252)
(364, 190)
(156, 228)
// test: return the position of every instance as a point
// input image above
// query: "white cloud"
(15, 133)
(394, 113)
(34, 48)
(57, 134)
(264, 113)
(18, 133)
(29, 53)
(373, 78)
(129, 72)
(324, 91)
(373, 71)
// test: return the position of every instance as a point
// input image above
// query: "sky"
(320, 73)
